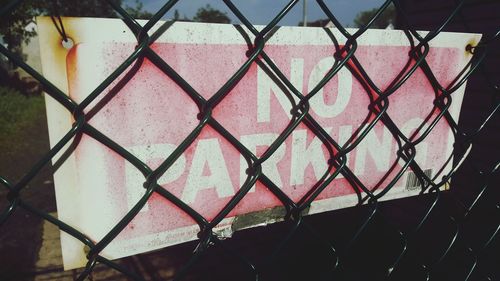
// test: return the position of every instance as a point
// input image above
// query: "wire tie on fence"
(66, 42)
(469, 48)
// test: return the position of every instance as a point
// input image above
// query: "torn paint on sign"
(151, 115)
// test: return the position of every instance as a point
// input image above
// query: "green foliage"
(18, 114)
(388, 16)
(13, 25)
(137, 12)
(209, 14)
(84, 8)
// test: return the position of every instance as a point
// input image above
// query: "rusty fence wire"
(436, 235)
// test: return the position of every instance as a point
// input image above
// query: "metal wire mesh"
(449, 235)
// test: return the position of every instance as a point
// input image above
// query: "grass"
(23, 141)
(18, 115)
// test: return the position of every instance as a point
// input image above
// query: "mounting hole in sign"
(68, 43)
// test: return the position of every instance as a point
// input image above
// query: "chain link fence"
(437, 235)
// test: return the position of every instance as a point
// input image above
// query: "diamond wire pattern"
(345, 260)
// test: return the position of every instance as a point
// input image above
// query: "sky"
(260, 12)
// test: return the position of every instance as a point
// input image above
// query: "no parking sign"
(150, 115)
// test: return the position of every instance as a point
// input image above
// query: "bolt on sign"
(151, 115)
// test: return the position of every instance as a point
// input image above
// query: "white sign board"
(151, 115)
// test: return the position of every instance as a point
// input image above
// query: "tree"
(209, 14)
(137, 12)
(387, 17)
(13, 25)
